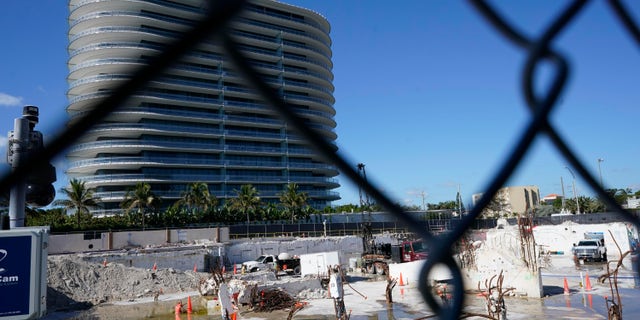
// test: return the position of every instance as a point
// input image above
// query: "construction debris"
(270, 300)
(528, 243)
(391, 283)
(614, 303)
(494, 295)
(77, 284)
(211, 285)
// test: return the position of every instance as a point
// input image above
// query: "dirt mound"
(75, 283)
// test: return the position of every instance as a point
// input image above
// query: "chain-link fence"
(536, 50)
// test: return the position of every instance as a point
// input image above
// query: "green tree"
(620, 195)
(197, 197)
(545, 210)
(591, 205)
(497, 207)
(56, 218)
(80, 199)
(141, 198)
(459, 203)
(271, 212)
(451, 205)
(292, 200)
(347, 208)
(246, 201)
(587, 205)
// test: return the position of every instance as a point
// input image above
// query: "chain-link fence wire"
(540, 105)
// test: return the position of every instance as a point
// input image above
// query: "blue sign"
(15, 267)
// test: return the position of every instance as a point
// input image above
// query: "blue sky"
(427, 93)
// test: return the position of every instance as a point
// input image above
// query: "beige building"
(514, 200)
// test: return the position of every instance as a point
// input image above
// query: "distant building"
(199, 122)
(633, 203)
(550, 198)
(516, 200)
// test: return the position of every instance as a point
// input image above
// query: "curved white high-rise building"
(199, 122)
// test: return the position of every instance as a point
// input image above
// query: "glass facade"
(198, 122)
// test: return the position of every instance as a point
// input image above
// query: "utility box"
(23, 273)
(318, 263)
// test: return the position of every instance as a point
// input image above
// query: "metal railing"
(536, 50)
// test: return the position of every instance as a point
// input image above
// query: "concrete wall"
(202, 256)
(77, 242)
(562, 237)
(184, 258)
(499, 252)
(347, 246)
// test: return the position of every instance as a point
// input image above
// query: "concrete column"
(18, 190)
(109, 240)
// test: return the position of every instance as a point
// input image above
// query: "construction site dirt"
(570, 290)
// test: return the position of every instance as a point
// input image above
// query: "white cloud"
(9, 100)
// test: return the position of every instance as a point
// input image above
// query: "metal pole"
(18, 190)
(600, 171)
(459, 199)
(324, 227)
(563, 197)
(575, 195)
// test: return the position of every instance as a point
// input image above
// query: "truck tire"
(296, 270)
(254, 269)
(379, 269)
(370, 269)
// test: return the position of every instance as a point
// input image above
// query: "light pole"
(600, 172)
(423, 194)
(575, 195)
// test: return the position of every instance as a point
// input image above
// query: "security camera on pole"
(37, 189)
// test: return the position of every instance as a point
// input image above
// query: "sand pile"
(76, 284)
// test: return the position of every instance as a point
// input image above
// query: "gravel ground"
(118, 292)
(76, 284)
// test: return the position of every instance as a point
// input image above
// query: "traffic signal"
(39, 187)
(39, 182)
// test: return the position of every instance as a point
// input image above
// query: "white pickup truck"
(282, 262)
(590, 250)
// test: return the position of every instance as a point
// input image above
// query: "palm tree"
(246, 201)
(140, 198)
(79, 198)
(293, 200)
(198, 196)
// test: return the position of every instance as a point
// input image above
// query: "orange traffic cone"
(104, 262)
(155, 267)
(566, 287)
(235, 268)
(189, 305)
(588, 282)
(401, 282)
(195, 267)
